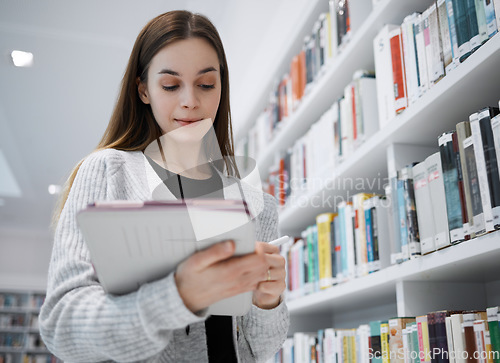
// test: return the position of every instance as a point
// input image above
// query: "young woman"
(174, 96)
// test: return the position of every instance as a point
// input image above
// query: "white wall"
(24, 259)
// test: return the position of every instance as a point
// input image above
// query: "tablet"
(134, 242)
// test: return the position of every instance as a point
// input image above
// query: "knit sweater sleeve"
(79, 321)
(262, 332)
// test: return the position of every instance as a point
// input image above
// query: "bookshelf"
(463, 276)
(19, 335)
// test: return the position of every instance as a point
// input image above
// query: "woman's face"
(183, 87)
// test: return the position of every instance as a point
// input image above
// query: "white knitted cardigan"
(81, 323)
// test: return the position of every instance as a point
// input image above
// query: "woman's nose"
(189, 98)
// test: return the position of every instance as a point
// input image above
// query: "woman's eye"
(170, 88)
(207, 86)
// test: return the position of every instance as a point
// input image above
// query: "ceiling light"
(54, 189)
(22, 59)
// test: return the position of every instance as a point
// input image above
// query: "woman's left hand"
(268, 292)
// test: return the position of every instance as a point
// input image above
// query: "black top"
(219, 329)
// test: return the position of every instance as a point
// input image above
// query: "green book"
(375, 342)
(494, 325)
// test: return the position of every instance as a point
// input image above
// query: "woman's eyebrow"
(174, 73)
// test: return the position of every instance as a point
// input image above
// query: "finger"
(275, 261)
(265, 247)
(218, 252)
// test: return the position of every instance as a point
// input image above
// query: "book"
(440, 335)
(481, 21)
(403, 221)
(398, 73)
(396, 326)
(475, 36)
(469, 336)
(410, 57)
(436, 188)
(324, 225)
(423, 75)
(423, 339)
(496, 7)
(375, 341)
(383, 71)
(434, 53)
(463, 131)
(377, 231)
(445, 36)
(462, 27)
(411, 213)
(461, 190)
(360, 238)
(449, 340)
(384, 341)
(458, 338)
(453, 35)
(135, 242)
(478, 226)
(450, 178)
(391, 193)
(423, 205)
(480, 132)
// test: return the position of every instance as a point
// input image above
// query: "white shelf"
(473, 85)
(475, 260)
(357, 54)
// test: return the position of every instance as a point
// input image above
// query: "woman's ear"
(143, 91)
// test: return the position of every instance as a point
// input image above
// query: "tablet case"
(132, 243)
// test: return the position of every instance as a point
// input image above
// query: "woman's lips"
(186, 121)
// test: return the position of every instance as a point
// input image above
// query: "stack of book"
(412, 57)
(451, 196)
(439, 336)
(454, 194)
(331, 32)
(348, 123)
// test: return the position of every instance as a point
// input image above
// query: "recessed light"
(21, 58)
(54, 189)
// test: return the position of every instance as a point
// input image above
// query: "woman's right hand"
(215, 274)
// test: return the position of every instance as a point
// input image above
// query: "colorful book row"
(437, 337)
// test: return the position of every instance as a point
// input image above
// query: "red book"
(398, 75)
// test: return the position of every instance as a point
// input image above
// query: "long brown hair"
(132, 126)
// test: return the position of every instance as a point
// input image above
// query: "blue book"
(403, 230)
(369, 236)
(343, 241)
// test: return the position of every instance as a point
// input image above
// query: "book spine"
(399, 81)
(462, 26)
(449, 340)
(453, 32)
(383, 70)
(384, 342)
(478, 225)
(403, 228)
(338, 248)
(431, 326)
(444, 33)
(369, 234)
(496, 7)
(441, 338)
(479, 328)
(425, 215)
(450, 178)
(395, 221)
(436, 59)
(481, 21)
(492, 170)
(436, 187)
(475, 37)
(463, 131)
(460, 182)
(458, 338)
(410, 57)
(469, 337)
(482, 171)
(423, 77)
(323, 222)
(375, 342)
(411, 213)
